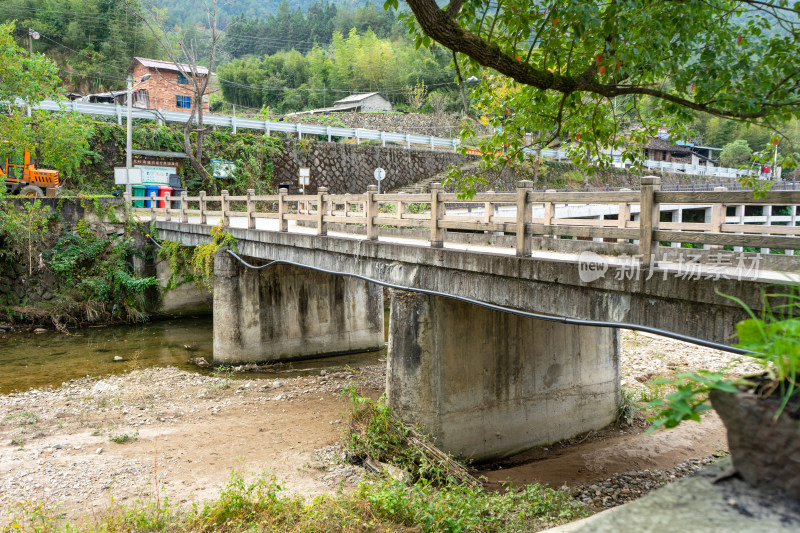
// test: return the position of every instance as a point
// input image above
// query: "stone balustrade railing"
(430, 210)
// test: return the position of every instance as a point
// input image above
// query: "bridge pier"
(487, 384)
(284, 312)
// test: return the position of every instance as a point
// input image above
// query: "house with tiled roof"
(169, 86)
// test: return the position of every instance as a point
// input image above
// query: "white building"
(363, 103)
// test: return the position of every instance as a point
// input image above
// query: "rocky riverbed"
(168, 432)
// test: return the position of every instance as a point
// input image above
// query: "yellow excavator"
(27, 180)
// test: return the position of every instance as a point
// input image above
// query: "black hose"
(549, 318)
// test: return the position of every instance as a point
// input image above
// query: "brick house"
(168, 88)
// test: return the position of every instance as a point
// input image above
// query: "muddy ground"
(166, 432)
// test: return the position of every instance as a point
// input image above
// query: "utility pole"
(129, 129)
(31, 36)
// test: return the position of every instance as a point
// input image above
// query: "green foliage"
(96, 270)
(262, 504)
(31, 79)
(92, 41)
(61, 139)
(285, 28)
(203, 257)
(774, 343)
(179, 259)
(735, 153)
(253, 154)
(595, 77)
(689, 399)
(288, 80)
(124, 438)
(23, 229)
(88, 273)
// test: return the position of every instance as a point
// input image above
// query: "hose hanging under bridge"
(549, 318)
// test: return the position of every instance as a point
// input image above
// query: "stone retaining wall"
(446, 125)
(349, 168)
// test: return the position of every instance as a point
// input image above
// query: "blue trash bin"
(148, 190)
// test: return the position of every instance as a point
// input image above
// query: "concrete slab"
(698, 505)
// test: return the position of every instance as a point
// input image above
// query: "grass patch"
(124, 438)
(387, 505)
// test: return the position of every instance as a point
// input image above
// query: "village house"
(359, 103)
(167, 88)
(661, 149)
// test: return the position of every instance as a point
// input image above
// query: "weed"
(223, 376)
(628, 409)
(23, 419)
(124, 438)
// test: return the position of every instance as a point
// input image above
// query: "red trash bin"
(163, 190)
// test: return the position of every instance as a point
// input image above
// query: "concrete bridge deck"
(484, 383)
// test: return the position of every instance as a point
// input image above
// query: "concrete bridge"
(483, 382)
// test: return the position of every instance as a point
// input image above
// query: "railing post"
(203, 219)
(251, 208)
(623, 215)
(740, 220)
(718, 212)
(649, 215)
(767, 213)
(225, 205)
(437, 208)
(184, 208)
(127, 204)
(488, 211)
(152, 206)
(167, 205)
(401, 208)
(322, 210)
(549, 213)
(524, 216)
(283, 224)
(371, 211)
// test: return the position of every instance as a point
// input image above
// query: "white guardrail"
(267, 126)
(299, 129)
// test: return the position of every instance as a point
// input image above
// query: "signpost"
(127, 176)
(304, 177)
(379, 175)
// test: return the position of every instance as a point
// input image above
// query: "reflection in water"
(30, 361)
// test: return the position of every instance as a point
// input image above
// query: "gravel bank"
(179, 433)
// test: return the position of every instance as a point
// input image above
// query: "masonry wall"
(446, 125)
(163, 87)
(349, 168)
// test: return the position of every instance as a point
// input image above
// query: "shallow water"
(48, 359)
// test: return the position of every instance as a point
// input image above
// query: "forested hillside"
(92, 41)
(189, 12)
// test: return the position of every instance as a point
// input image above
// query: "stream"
(47, 359)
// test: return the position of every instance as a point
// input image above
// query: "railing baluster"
(251, 207)
(437, 208)
(167, 205)
(371, 211)
(649, 215)
(225, 205)
(203, 218)
(184, 208)
(718, 212)
(283, 223)
(524, 216)
(322, 210)
(623, 215)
